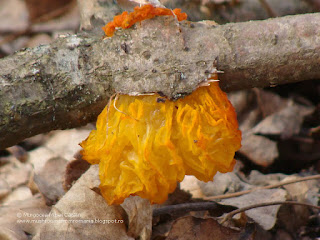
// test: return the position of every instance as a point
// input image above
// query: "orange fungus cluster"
(147, 144)
(126, 20)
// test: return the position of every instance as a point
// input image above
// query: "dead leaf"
(263, 114)
(38, 40)
(191, 184)
(307, 191)
(248, 112)
(269, 102)
(4, 188)
(283, 235)
(35, 141)
(39, 156)
(15, 219)
(13, 16)
(203, 229)
(18, 152)
(49, 180)
(61, 144)
(15, 173)
(292, 218)
(178, 196)
(82, 213)
(260, 150)
(259, 179)
(285, 123)
(223, 183)
(139, 214)
(73, 172)
(65, 143)
(265, 216)
(19, 194)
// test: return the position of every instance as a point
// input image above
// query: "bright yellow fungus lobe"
(154, 142)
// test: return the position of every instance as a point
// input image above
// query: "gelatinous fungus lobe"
(144, 145)
(149, 145)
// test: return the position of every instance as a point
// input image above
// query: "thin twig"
(54, 13)
(43, 18)
(231, 214)
(185, 207)
(267, 7)
(231, 195)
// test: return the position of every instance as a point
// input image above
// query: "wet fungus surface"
(145, 144)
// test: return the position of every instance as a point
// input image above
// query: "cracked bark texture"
(67, 83)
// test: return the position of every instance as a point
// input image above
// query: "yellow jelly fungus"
(149, 143)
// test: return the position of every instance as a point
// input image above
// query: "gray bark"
(67, 83)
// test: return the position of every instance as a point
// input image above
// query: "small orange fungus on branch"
(126, 20)
(150, 143)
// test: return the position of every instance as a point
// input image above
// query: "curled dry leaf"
(189, 228)
(73, 172)
(14, 218)
(259, 149)
(49, 180)
(19, 194)
(82, 213)
(266, 216)
(62, 144)
(286, 122)
(222, 184)
(303, 191)
(14, 174)
(282, 118)
(139, 215)
(18, 152)
(65, 143)
(4, 188)
(16, 20)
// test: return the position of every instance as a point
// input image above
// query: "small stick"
(231, 195)
(231, 214)
(267, 7)
(185, 207)
(43, 18)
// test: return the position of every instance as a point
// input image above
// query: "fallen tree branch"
(67, 83)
